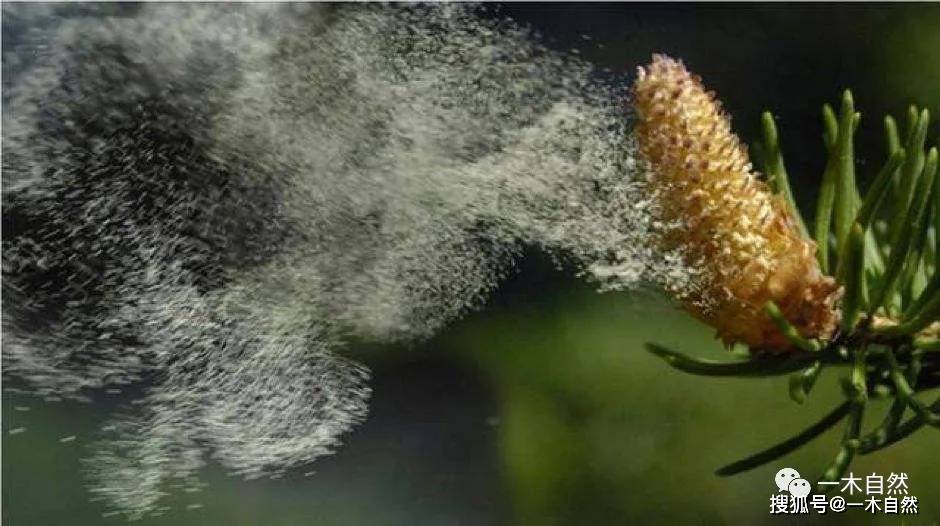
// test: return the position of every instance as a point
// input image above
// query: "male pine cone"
(723, 219)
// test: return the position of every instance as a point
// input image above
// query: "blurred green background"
(543, 408)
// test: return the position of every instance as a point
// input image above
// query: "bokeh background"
(543, 407)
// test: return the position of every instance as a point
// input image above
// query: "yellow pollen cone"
(723, 219)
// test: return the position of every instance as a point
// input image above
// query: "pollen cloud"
(210, 201)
